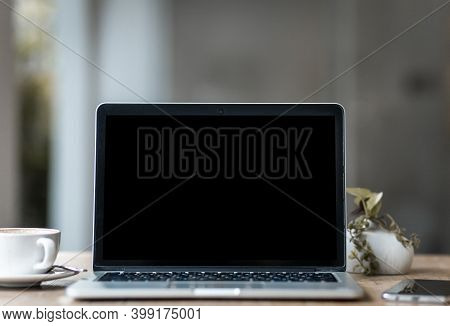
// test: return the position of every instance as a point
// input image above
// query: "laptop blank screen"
(219, 191)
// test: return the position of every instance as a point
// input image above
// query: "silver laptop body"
(300, 271)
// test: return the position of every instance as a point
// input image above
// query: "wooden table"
(52, 293)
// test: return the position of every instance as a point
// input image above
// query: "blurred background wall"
(60, 59)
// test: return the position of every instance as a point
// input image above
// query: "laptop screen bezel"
(217, 109)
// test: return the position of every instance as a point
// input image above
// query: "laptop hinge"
(146, 269)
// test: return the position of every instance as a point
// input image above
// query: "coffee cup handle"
(49, 255)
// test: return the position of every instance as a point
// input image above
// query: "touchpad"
(216, 285)
(132, 285)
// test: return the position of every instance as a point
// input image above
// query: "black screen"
(218, 191)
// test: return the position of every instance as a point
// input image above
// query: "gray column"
(72, 148)
(128, 43)
(8, 123)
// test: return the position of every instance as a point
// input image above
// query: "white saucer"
(33, 279)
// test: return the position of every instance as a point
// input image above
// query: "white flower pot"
(392, 256)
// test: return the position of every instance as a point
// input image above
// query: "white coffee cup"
(27, 250)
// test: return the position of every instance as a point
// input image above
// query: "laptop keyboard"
(217, 276)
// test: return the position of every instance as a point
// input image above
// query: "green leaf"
(374, 199)
(376, 209)
(357, 201)
(362, 193)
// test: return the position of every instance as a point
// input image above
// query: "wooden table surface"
(52, 293)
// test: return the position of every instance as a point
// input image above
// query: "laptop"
(219, 200)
